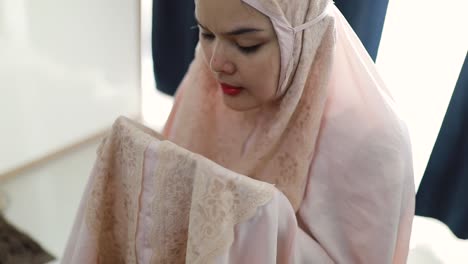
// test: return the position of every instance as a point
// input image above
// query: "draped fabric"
(323, 175)
(443, 192)
(150, 201)
(275, 142)
(174, 38)
(333, 143)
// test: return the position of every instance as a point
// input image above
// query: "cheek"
(268, 69)
(207, 52)
(275, 64)
(260, 81)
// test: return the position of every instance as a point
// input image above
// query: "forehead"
(225, 14)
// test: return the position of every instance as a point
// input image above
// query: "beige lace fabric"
(194, 205)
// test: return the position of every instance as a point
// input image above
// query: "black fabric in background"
(367, 18)
(443, 192)
(173, 40)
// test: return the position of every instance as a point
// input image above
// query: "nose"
(220, 62)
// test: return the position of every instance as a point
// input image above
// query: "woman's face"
(242, 50)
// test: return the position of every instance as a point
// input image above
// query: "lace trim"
(171, 205)
(197, 206)
(219, 204)
(112, 207)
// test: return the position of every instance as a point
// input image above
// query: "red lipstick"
(231, 90)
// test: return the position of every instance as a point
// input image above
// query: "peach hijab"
(326, 79)
(275, 143)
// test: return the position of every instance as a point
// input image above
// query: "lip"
(231, 90)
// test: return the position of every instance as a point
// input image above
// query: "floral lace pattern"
(221, 200)
(195, 207)
(112, 206)
(171, 206)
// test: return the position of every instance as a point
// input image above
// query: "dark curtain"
(174, 41)
(443, 193)
(367, 18)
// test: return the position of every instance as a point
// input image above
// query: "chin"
(239, 104)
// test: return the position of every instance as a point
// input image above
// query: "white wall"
(156, 106)
(423, 47)
(67, 69)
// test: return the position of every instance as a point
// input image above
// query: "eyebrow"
(235, 32)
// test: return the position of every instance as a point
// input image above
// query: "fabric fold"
(150, 201)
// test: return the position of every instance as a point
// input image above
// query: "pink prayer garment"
(333, 143)
(322, 175)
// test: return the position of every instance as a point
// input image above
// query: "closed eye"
(208, 36)
(249, 49)
(244, 49)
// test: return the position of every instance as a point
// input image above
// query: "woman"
(283, 91)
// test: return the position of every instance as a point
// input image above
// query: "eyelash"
(207, 36)
(246, 50)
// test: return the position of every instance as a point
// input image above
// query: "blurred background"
(69, 68)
